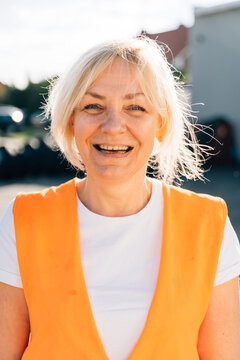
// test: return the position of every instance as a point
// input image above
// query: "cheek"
(80, 136)
(81, 130)
(77, 132)
(147, 132)
(146, 138)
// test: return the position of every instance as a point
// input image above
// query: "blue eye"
(92, 106)
(136, 108)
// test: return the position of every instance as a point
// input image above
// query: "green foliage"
(31, 98)
(181, 75)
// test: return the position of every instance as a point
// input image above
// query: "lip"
(109, 154)
(106, 144)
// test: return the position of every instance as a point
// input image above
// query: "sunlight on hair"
(176, 152)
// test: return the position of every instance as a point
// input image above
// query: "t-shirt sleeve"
(9, 268)
(229, 258)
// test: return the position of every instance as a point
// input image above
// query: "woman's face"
(114, 125)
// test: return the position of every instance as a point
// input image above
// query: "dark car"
(10, 117)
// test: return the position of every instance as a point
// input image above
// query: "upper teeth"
(106, 147)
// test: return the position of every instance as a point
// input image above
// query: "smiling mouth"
(121, 149)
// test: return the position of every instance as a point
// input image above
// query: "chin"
(111, 173)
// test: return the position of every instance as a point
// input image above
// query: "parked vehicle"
(10, 117)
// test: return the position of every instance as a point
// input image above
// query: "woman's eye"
(92, 107)
(136, 108)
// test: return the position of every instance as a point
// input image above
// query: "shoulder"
(189, 195)
(53, 194)
(47, 192)
(195, 205)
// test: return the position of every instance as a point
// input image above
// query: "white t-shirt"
(120, 258)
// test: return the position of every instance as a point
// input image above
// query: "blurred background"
(39, 40)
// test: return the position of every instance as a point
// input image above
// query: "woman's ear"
(161, 129)
(72, 119)
(72, 123)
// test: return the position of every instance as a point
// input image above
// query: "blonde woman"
(117, 265)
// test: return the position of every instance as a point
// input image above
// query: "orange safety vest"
(62, 322)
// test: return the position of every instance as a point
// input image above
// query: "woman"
(117, 265)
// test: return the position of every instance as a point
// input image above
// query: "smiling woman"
(117, 265)
(115, 125)
(143, 63)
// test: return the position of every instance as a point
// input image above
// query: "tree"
(31, 98)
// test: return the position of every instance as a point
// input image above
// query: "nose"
(114, 123)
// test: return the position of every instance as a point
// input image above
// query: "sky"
(40, 39)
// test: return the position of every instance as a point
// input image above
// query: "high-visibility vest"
(61, 319)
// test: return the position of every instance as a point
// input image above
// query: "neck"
(115, 199)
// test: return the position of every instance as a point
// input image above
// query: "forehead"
(120, 76)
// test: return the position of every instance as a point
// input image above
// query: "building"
(215, 64)
(176, 45)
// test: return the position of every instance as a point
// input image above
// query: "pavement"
(220, 181)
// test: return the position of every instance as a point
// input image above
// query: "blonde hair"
(177, 152)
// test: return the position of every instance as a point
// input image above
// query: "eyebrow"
(127, 96)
